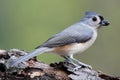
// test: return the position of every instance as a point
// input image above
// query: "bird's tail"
(30, 55)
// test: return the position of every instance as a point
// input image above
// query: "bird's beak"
(104, 23)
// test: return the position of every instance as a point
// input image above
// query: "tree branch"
(35, 70)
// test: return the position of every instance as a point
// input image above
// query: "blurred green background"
(24, 24)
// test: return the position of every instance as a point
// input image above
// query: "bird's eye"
(94, 19)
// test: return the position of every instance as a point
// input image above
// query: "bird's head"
(94, 19)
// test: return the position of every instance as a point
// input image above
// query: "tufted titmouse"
(74, 39)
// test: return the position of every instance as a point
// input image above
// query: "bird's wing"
(68, 37)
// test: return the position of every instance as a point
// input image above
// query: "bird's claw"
(86, 66)
(77, 68)
(74, 69)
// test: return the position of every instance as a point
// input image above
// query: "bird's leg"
(80, 63)
(70, 60)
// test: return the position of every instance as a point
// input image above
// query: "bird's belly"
(75, 47)
(79, 47)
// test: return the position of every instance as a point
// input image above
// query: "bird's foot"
(82, 64)
(72, 67)
(86, 66)
(76, 68)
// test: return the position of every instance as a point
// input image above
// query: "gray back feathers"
(76, 33)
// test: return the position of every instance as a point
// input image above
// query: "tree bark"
(36, 70)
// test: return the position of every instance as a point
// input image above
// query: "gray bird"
(72, 40)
